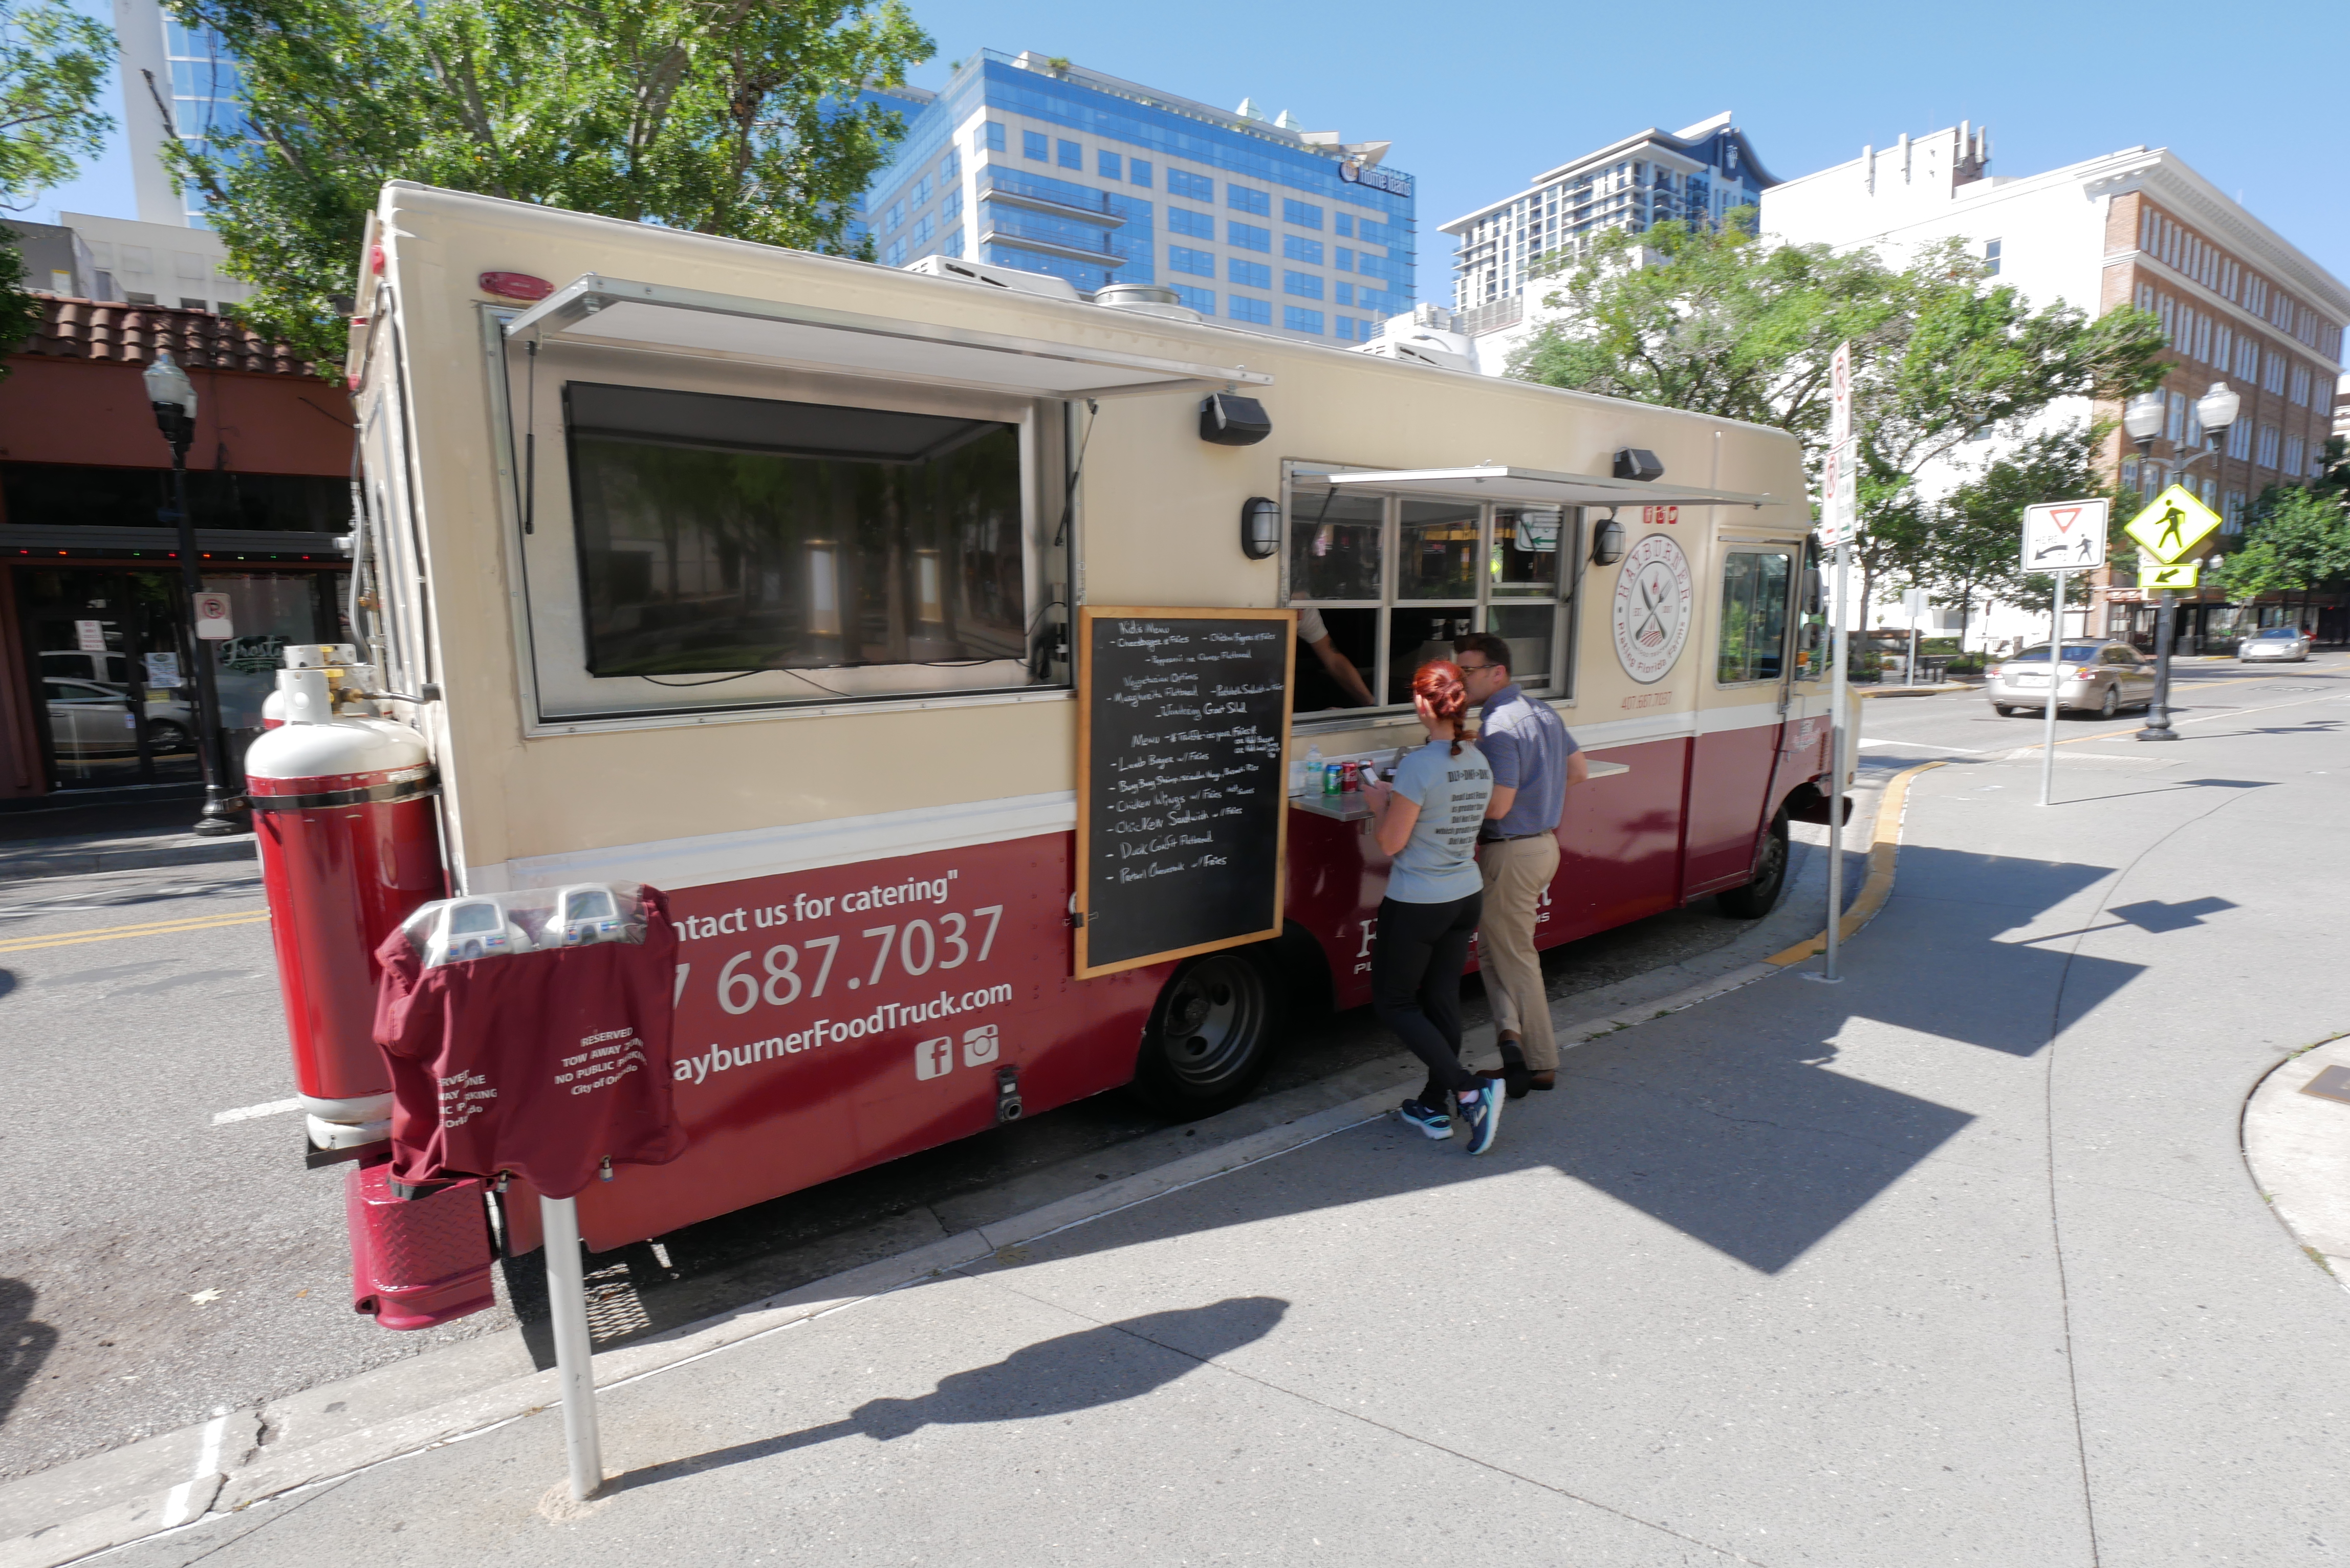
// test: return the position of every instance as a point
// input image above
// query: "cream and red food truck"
(778, 581)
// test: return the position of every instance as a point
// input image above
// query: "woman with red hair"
(1427, 822)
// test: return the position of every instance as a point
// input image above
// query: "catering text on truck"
(762, 577)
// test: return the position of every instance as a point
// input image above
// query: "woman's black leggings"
(1415, 966)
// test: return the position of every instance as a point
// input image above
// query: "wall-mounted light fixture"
(1637, 462)
(1229, 421)
(1259, 527)
(1608, 542)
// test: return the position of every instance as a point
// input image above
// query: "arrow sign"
(2064, 535)
(2152, 574)
(2173, 524)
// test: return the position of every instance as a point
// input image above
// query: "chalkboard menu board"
(1182, 805)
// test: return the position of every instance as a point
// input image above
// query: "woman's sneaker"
(1433, 1122)
(1482, 1112)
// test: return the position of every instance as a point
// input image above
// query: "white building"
(2138, 226)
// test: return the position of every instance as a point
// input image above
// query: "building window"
(923, 229)
(1139, 172)
(1109, 166)
(1343, 328)
(1190, 186)
(1203, 300)
(1305, 214)
(2240, 439)
(2300, 393)
(1344, 222)
(1183, 259)
(1248, 236)
(1242, 199)
(2129, 473)
(1184, 220)
(1297, 318)
(2267, 458)
(921, 195)
(2175, 427)
(2248, 359)
(1243, 309)
(2293, 465)
(1297, 247)
(895, 255)
(987, 138)
(1073, 155)
(1456, 567)
(2272, 372)
(893, 218)
(1304, 285)
(1037, 145)
(1345, 259)
(1248, 274)
(2211, 492)
(952, 208)
(951, 167)
(2231, 513)
(1991, 257)
(1346, 293)
(951, 245)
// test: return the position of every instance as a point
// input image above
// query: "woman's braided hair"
(1440, 685)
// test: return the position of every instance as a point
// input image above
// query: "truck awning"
(1534, 486)
(613, 311)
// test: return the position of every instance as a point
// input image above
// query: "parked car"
(87, 719)
(2101, 676)
(2275, 642)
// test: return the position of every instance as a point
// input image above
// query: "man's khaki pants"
(1516, 872)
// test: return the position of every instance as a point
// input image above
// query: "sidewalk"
(1955, 1263)
(71, 840)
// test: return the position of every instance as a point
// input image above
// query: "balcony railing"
(1053, 196)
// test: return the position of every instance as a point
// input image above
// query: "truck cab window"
(718, 535)
(1755, 594)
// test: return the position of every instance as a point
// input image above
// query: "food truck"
(780, 582)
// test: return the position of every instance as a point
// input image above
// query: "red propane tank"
(349, 848)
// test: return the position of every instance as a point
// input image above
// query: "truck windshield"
(2039, 655)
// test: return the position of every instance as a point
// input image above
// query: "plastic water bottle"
(1310, 778)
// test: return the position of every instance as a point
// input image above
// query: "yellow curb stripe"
(118, 933)
(1884, 848)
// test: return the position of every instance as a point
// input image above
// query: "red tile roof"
(123, 334)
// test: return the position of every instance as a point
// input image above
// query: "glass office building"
(1036, 164)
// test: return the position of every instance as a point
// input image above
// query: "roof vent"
(999, 277)
(1145, 299)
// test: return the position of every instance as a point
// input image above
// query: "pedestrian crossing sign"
(2152, 574)
(2173, 524)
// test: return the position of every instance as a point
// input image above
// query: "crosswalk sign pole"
(2158, 712)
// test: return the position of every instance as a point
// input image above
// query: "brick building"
(96, 698)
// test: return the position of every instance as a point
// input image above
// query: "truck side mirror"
(1813, 596)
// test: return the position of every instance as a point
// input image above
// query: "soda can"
(1352, 781)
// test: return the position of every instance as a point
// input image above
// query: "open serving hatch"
(613, 312)
(1534, 486)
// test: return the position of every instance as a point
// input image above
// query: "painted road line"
(1927, 745)
(180, 1506)
(1884, 848)
(2175, 723)
(118, 934)
(255, 1113)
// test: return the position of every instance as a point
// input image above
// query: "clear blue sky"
(2249, 94)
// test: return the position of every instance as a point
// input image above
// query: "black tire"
(2004, 710)
(2112, 703)
(1209, 1038)
(1755, 899)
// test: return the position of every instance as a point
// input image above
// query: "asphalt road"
(164, 1255)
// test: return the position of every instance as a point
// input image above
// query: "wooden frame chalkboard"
(1182, 788)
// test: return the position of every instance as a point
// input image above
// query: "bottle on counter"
(1307, 775)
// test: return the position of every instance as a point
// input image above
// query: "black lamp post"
(2142, 422)
(173, 397)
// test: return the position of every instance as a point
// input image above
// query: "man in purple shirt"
(1534, 762)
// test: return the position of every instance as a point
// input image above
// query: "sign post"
(1839, 520)
(2064, 536)
(1913, 602)
(575, 1367)
(2175, 528)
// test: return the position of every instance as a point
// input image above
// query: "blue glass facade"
(1054, 170)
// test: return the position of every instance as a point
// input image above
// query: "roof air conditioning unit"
(1145, 299)
(988, 276)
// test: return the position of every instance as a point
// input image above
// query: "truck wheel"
(1209, 1037)
(1753, 901)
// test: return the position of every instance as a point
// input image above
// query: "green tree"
(53, 62)
(723, 117)
(1973, 550)
(1725, 323)
(2296, 540)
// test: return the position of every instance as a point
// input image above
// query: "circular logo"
(1653, 591)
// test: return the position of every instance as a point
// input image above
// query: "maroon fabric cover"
(543, 1064)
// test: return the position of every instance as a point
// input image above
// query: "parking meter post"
(566, 1301)
(2055, 666)
(2158, 712)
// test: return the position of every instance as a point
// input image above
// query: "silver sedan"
(2100, 677)
(2275, 642)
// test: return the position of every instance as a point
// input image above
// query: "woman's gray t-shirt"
(1438, 862)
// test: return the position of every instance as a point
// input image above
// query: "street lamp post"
(173, 397)
(2142, 422)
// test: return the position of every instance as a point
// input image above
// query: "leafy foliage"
(1971, 545)
(2295, 539)
(53, 60)
(723, 116)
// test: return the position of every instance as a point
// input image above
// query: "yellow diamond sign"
(2173, 524)
(2152, 574)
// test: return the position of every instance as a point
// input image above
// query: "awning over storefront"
(612, 311)
(1533, 486)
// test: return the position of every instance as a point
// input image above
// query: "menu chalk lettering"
(1181, 808)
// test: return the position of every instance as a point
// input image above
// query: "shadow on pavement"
(1081, 1371)
(25, 1343)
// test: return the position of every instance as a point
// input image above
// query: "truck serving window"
(718, 535)
(1393, 579)
(1754, 591)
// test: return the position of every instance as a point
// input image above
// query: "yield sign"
(2173, 524)
(2064, 535)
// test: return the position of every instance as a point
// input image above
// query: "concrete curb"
(2295, 1149)
(1884, 850)
(83, 857)
(1917, 690)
